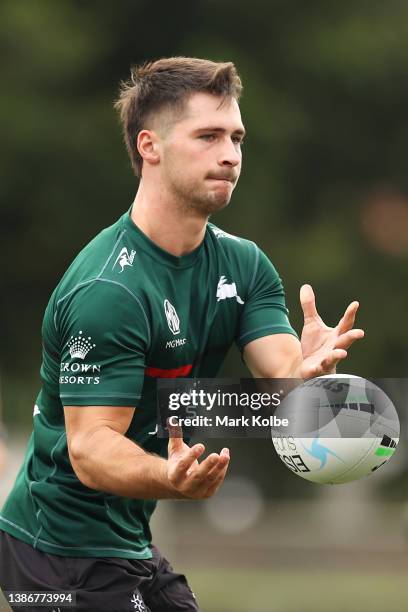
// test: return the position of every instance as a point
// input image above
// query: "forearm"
(277, 356)
(290, 367)
(112, 463)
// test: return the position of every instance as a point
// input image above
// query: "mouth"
(222, 179)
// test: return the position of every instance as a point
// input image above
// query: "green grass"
(238, 590)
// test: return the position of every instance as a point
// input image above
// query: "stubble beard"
(195, 198)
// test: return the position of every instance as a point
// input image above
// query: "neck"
(165, 222)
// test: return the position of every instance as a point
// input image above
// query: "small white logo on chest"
(172, 317)
(225, 290)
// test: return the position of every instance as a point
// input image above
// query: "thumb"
(175, 437)
(308, 303)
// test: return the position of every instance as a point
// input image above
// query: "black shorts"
(108, 583)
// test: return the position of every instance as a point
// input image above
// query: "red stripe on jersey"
(172, 373)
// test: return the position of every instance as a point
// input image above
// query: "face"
(200, 155)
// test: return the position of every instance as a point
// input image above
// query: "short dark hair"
(168, 83)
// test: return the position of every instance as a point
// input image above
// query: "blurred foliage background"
(324, 188)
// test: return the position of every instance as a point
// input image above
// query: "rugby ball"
(341, 427)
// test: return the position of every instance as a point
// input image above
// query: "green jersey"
(125, 313)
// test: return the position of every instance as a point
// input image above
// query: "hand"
(189, 478)
(322, 346)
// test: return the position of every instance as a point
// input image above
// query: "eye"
(207, 137)
(238, 140)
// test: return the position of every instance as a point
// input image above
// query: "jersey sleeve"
(265, 311)
(104, 333)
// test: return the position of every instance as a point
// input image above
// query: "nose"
(230, 154)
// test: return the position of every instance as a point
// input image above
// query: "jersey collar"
(144, 243)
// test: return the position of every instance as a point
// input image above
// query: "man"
(161, 293)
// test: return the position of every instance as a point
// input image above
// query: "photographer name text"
(225, 421)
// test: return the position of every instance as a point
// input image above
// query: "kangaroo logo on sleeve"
(225, 291)
(172, 317)
(219, 233)
(124, 259)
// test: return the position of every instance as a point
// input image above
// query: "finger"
(215, 471)
(347, 320)
(175, 436)
(332, 359)
(326, 366)
(213, 488)
(185, 462)
(308, 302)
(175, 430)
(198, 479)
(206, 487)
(346, 340)
(205, 467)
(313, 371)
(223, 462)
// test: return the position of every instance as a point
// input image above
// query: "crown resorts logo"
(79, 346)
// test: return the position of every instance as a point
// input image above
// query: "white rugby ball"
(341, 428)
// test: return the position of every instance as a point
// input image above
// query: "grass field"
(238, 590)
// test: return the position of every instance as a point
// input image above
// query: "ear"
(148, 146)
